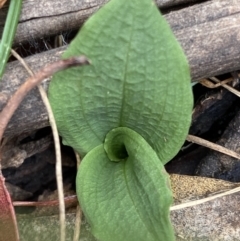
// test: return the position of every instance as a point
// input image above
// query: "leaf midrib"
(131, 198)
(125, 75)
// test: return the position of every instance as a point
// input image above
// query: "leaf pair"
(137, 93)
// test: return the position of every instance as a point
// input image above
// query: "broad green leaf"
(133, 102)
(127, 198)
(139, 78)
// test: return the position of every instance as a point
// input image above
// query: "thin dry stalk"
(200, 201)
(78, 220)
(59, 178)
(219, 83)
(212, 146)
(209, 84)
(69, 200)
(22, 91)
(229, 88)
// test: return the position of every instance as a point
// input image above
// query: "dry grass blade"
(68, 200)
(52, 121)
(200, 201)
(22, 91)
(78, 220)
(212, 146)
(209, 84)
(229, 88)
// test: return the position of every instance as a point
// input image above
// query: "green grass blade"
(9, 32)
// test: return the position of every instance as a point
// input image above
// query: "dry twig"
(203, 200)
(209, 84)
(69, 200)
(212, 146)
(78, 220)
(229, 88)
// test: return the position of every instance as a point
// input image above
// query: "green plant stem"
(9, 32)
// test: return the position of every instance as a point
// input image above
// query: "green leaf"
(8, 34)
(127, 198)
(128, 113)
(139, 78)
